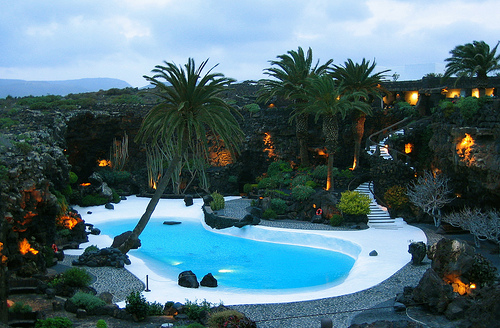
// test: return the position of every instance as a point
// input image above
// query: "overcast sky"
(125, 39)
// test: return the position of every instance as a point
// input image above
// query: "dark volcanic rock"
(208, 281)
(188, 279)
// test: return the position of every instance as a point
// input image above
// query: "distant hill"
(22, 88)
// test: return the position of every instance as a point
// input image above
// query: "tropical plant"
(468, 106)
(360, 77)
(354, 203)
(218, 202)
(191, 109)
(474, 59)
(137, 305)
(194, 309)
(290, 73)
(329, 99)
(302, 193)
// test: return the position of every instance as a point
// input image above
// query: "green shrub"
(20, 307)
(446, 107)
(269, 214)
(273, 169)
(193, 310)
(278, 205)
(336, 220)
(300, 180)
(116, 197)
(229, 318)
(232, 179)
(101, 324)
(93, 200)
(6, 122)
(302, 193)
(57, 322)
(354, 203)
(396, 197)
(218, 202)
(267, 183)
(76, 277)
(320, 172)
(468, 106)
(482, 273)
(73, 178)
(87, 301)
(155, 308)
(137, 305)
(115, 177)
(248, 187)
(91, 249)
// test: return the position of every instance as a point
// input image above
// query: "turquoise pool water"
(235, 262)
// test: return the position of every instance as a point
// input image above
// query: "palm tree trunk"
(162, 184)
(359, 131)
(329, 179)
(301, 127)
(331, 132)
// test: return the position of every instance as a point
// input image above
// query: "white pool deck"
(368, 271)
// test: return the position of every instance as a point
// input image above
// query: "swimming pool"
(367, 271)
(234, 261)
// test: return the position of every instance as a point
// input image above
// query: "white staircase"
(384, 151)
(379, 217)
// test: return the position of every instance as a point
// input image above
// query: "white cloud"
(126, 38)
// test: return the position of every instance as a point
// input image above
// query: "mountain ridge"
(23, 88)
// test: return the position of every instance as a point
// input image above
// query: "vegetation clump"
(87, 301)
(56, 322)
(302, 193)
(218, 202)
(354, 203)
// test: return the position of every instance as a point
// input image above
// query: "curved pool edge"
(368, 271)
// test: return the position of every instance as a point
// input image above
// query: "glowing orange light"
(67, 221)
(271, 106)
(25, 247)
(269, 145)
(104, 162)
(408, 148)
(85, 184)
(472, 286)
(464, 149)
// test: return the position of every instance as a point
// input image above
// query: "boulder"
(418, 250)
(188, 279)
(451, 257)
(188, 200)
(208, 281)
(433, 292)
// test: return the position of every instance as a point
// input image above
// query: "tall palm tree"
(289, 74)
(328, 99)
(360, 77)
(191, 108)
(473, 60)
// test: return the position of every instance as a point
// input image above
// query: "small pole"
(147, 284)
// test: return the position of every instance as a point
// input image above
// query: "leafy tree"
(474, 59)
(360, 77)
(290, 73)
(191, 109)
(329, 99)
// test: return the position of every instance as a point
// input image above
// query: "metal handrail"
(386, 131)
